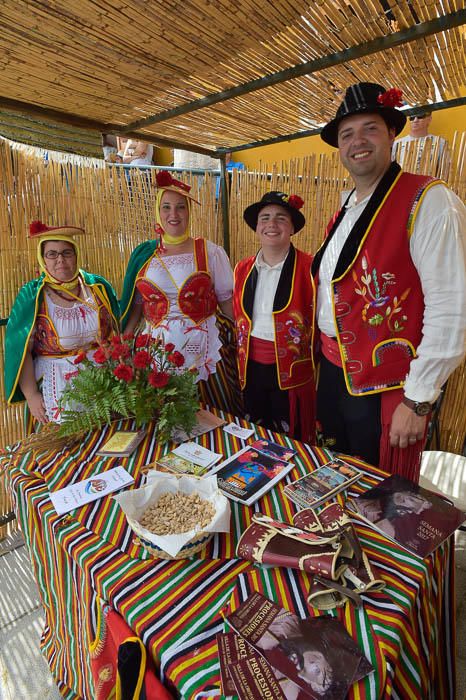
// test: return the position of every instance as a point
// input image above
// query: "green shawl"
(21, 324)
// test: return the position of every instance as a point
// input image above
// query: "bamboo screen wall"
(116, 210)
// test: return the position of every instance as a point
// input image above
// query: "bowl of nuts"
(175, 517)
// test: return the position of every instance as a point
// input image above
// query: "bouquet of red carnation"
(130, 376)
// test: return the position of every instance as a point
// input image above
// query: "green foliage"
(120, 385)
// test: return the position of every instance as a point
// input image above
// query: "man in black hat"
(273, 303)
(391, 296)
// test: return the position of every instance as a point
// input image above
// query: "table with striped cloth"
(407, 630)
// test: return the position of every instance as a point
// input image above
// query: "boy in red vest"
(273, 303)
(391, 297)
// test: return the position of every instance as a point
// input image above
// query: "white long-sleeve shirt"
(437, 248)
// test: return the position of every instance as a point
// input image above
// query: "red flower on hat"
(165, 179)
(391, 98)
(295, 201)
(36, 227)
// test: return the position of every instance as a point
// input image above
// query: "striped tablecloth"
(407, 631)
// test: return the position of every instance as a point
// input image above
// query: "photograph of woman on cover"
(394, 512)
(315, 660)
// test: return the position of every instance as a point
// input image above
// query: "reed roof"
(114, 66)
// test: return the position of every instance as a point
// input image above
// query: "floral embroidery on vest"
(379, 307)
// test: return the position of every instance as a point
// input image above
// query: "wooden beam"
(93, 125)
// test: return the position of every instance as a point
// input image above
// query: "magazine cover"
(405, 512)
(248, 474)
(313, 658)
(272, 449)
(244, 672)
(323, 483)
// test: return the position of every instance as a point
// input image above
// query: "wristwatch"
(420, 408)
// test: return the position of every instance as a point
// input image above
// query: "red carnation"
(123, 372)
(158, 379)
(79, 357)
(391, 98)
(176, 358)
(120, 350)
(100, 356)
(163, 178)
(169, 347)
(141, 359)
(142, 340)
(295, 201)
(128, 336)
(116, 340)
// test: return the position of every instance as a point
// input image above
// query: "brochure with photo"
(197, 454)
(322, 484)
(249, 474)
(273, 449)
(418, 519)
(244, 672)
(122, 443)
(316, 654)
(205, 422)
(177, 465)
(90, 489)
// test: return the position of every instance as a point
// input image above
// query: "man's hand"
(406, 427)
(37, 407)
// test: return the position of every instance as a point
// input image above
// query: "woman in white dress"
(55, 319)
(175, 284)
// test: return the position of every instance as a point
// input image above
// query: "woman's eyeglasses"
(54, 254)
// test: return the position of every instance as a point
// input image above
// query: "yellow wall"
(444, 123)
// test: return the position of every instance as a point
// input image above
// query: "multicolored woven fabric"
(175, 606)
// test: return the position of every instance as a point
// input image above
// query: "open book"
(405, 512)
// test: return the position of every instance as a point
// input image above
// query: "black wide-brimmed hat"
(367, 98)
(290, 202)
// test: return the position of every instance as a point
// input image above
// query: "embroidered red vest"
(46, 340)
(378, 300)
(292, 318)
(196, 296)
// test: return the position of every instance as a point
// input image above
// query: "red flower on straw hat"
(36, 227)
(165, 179)
(391, 98)
(295, 201)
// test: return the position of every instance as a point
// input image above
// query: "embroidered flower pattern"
(297, 334)
(379, 307)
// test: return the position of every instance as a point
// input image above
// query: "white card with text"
(90, 489)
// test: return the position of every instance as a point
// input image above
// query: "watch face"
(422, 409)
